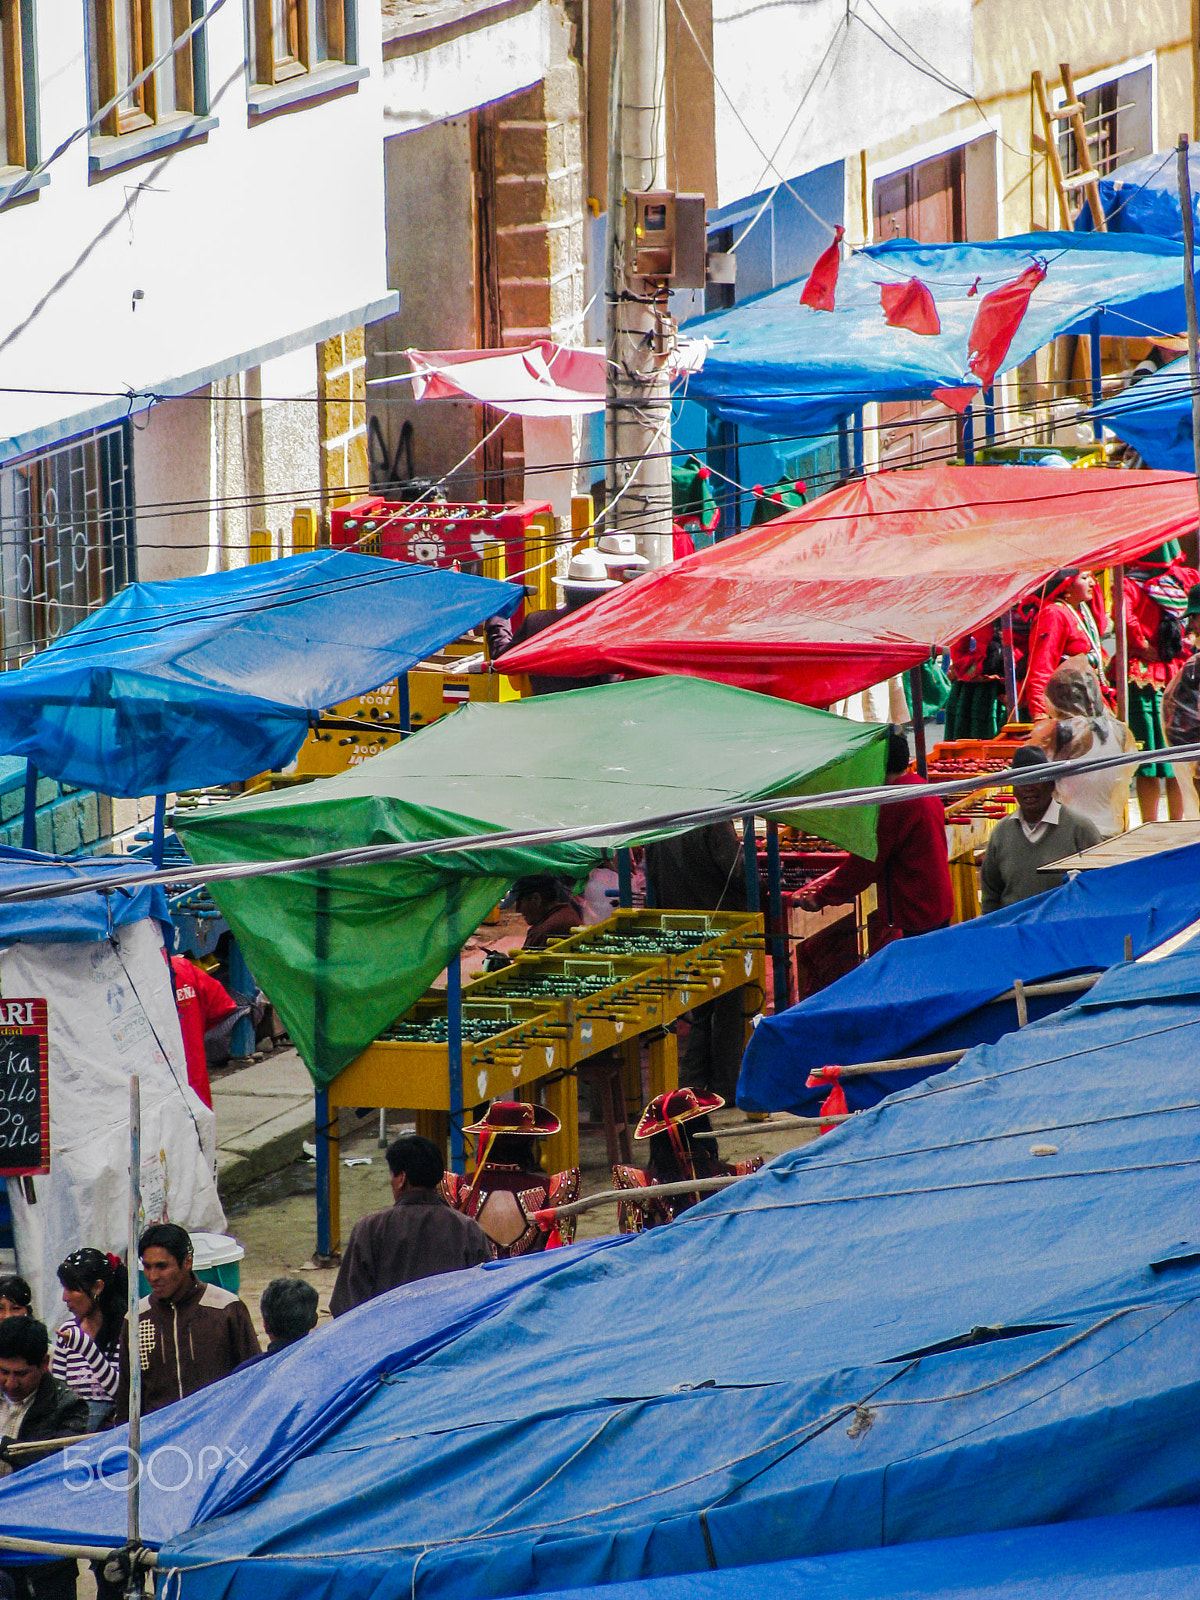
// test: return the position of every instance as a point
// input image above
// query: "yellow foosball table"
(523, 1031)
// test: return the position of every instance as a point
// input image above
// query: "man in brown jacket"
(189, 1333)
(418, 1236)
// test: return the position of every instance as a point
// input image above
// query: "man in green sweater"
(1040, 831)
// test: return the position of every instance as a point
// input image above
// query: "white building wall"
(255, 239)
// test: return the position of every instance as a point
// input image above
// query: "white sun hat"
(620, 550)
(587, 571)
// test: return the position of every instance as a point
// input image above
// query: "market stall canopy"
(935, 993)
(75, 917)
(540, 380)
(883, 1337)
(1154, 415)
(343, 953)
(778, 366)
(863, 582)
(207, 680)
(1143, 196)
(1153, 1555)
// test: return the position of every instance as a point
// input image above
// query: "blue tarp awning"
(919, 996)
(212, 679)
(777, 364)
(1148, 1555)
(1154, 415)
(975, 1307)
(76, 917)
(1143, 196)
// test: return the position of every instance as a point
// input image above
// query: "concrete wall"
(258, 231)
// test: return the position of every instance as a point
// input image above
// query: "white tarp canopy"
(111, 1008)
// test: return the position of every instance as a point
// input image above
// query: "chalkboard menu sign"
(24, 1088)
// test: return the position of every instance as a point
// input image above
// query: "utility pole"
(637, 410)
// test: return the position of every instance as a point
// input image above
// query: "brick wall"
(342, 418)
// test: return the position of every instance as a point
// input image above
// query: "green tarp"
(342, 952)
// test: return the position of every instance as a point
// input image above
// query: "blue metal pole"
(775, 928)
(624, 879)
(29, 818)
(750, 851)
(989, 415)
(241, 979)
(321, 1124)
(403, 704)
(159, 836)
(1097, 395)
(969, 436)
(458, 1159)
(858, 440)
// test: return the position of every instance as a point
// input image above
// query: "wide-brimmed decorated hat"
(514, 1116)
(677, 1105)
(620, 550)
(587, 571)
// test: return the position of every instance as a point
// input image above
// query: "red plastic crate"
(435, 532)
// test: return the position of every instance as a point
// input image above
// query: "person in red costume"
(1067, 624)
(201, 1001)
(911, 868)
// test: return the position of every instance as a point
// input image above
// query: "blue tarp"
(75, 917)
(975, 1307)
(1149, 1555)
(1143, 196)
(779, 365)
(212, 679)
(1154, 415)
(919, 996)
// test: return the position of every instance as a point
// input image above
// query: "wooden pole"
(1120, 634)
(750, 855)
(134, 1469)
(918, 716)
(1189, 295)
(775, 924)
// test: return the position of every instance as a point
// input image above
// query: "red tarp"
(861, 584)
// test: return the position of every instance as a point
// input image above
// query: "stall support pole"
(989, 416)
(1010, 664)
(29, 817)
(134, 1583)
(779, 950)
(325, 1120)
(158, 837)
(843, 436)
(458, 1157)
(969, 436)
(858, 440)
(918, 716)
(750, 852)
(624, 879)
(1094, 352)
(1189, 295)
(402, 705)
(1121, 665)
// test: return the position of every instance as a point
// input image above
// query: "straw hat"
(587, 571)
(514, 1116)
(620, 550)
(677, 1105)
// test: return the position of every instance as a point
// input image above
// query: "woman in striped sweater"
(95, 1289)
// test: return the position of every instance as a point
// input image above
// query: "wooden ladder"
(1087, 178)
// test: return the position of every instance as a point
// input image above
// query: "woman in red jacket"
(1156, 600)
(1067, 625)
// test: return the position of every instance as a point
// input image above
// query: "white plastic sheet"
(111, 1013)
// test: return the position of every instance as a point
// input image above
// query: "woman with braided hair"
(85, 1356)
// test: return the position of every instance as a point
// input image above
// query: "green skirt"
(975, 709)
(1145, 724)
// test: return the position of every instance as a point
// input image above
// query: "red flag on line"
(999, 316)
(822, 280)
(909, 305)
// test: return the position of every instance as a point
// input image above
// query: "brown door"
(926, 202)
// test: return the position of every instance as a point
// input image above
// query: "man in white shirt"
(1039, 832)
